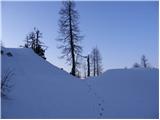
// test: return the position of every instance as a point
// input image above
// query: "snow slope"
(41, 90)
(127, 93)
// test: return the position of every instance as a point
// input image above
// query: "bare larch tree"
(96, 62)
(69, 34)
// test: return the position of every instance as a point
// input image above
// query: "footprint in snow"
(101, 114)
(102, 109)
(99, 104)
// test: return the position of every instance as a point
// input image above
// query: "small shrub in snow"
(6, 82)
(136, 65)
(2, 52)
(9, 54)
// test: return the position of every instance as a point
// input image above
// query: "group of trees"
(70, 42)
(33, 40)
(92, 63)
(70, 38)
(96, 62)
(144, 63)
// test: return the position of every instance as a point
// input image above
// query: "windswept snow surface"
(41, 90)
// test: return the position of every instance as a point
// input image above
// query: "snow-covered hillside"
(41, 90)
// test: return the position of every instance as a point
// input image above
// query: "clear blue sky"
(122, 31)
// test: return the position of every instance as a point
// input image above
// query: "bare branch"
(6, 85)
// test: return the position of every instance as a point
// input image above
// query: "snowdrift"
(41, 90)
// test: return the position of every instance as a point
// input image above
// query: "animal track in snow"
(102, 109)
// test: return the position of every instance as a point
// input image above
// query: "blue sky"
(122, 31)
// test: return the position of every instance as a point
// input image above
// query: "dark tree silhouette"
(96, 62)
(144, 61)
(136, 65)
(88, 66)
(69, 34)
(93, 55)
(33, 40)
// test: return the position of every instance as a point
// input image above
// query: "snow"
(41, 90)
(128, 93)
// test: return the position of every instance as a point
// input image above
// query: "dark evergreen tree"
(69, 34)
(33, 40)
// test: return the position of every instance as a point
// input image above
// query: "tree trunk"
(94, 62)
(88, 64)
(72, 43)
(97, 66)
